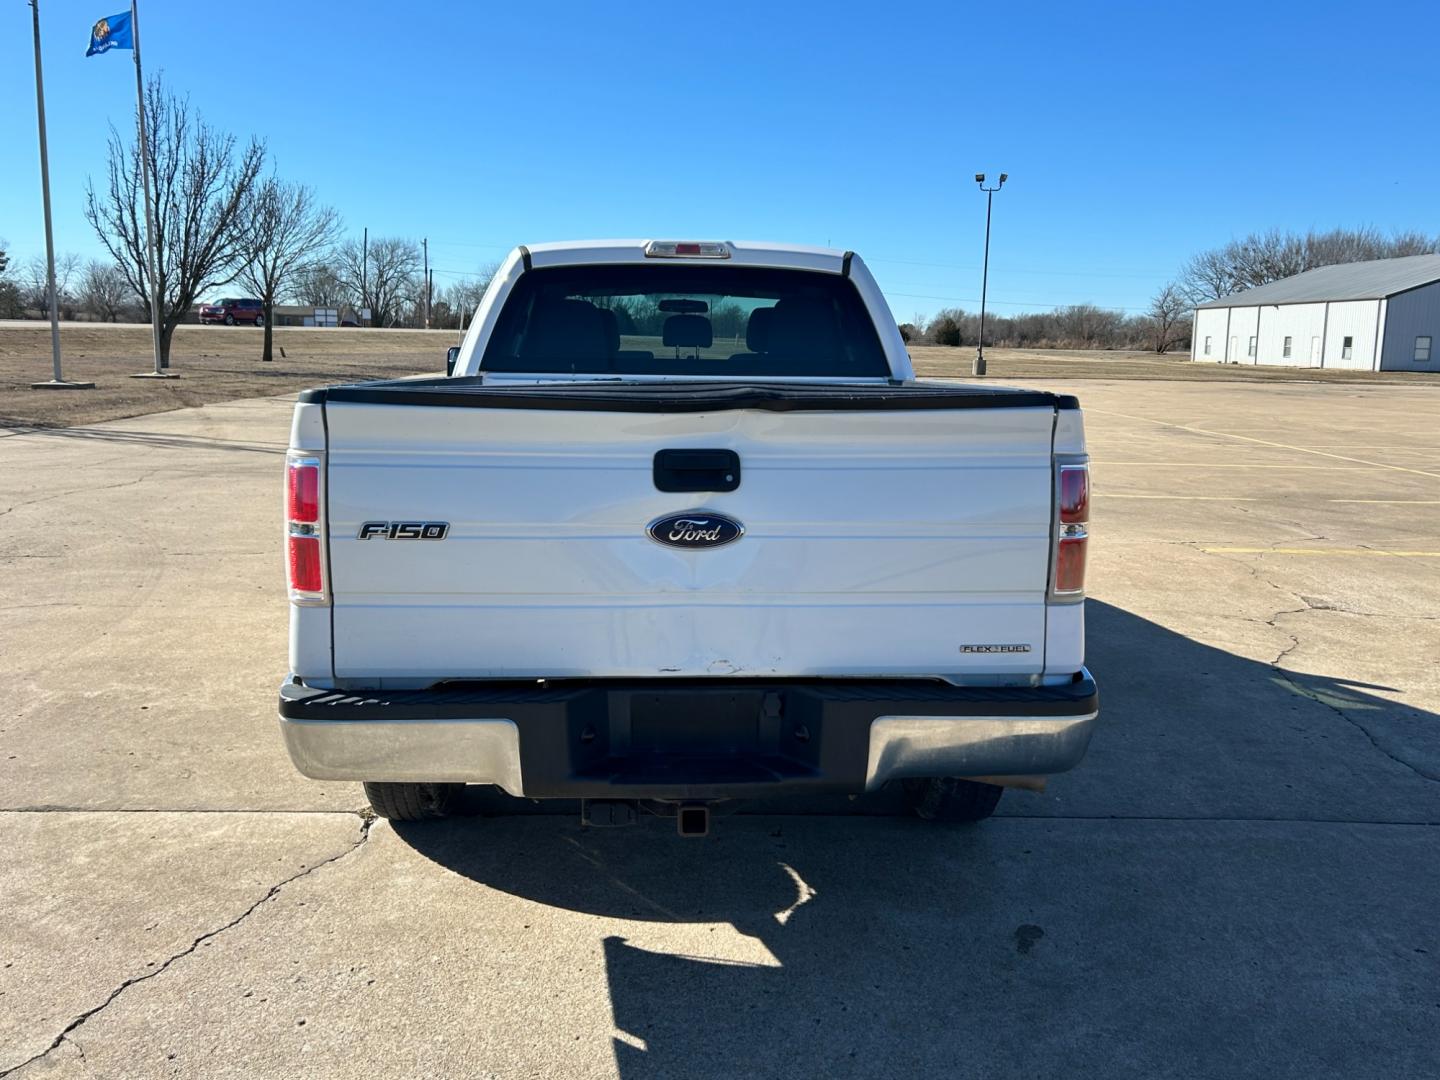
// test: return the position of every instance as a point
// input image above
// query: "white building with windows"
(1366, 316)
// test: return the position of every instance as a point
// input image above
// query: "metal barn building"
(1367, 316)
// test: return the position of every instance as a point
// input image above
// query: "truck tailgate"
(875, 542)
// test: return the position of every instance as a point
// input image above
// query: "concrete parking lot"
(1241, 880)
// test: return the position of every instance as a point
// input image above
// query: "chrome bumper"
(479, 751)
(906, 746)
(848, 736)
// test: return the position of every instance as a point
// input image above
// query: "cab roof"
(742, 253)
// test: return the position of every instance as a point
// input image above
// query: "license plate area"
(709, 735)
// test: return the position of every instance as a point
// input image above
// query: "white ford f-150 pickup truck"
(681, 526)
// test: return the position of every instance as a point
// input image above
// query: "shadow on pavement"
(154, 438)
(1252, 939)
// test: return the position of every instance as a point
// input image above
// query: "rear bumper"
(684, 739)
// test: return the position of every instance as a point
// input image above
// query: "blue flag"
(112, 33)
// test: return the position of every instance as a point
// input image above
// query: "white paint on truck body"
(876, 543)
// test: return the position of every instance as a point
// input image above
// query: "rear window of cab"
(683, 319)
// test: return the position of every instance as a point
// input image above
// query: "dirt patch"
(215, 363)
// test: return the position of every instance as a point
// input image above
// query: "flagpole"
(149, 208)
(57, 382)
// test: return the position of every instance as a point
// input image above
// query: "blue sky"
(1134, 134)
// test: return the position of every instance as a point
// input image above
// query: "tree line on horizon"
(1255, 260)
(223, 217)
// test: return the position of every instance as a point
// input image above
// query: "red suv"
(230, 312)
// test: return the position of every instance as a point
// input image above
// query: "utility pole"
(979, 366)
(57, 381)
(364, 274)
(425, 246)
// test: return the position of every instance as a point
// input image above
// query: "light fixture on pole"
(979, 366)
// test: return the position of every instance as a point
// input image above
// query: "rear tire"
(944, 798)
(229, 320)
(259, 320)
(412, 802)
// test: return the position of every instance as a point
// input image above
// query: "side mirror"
(451, 355)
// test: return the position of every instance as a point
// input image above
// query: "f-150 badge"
(404, 530)
(695, 529)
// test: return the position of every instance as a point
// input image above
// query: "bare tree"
(202, 186)
(1261, 258)
(1207, 276)
(286, 231)
(463, 297)
(382, 278)
(36, 283)
(103, 291)
(321, 284)
(1169, 316)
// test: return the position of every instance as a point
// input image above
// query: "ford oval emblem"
(695, 529)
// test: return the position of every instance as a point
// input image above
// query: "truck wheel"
(944, 798)
(412, 802)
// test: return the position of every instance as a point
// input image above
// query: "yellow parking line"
(1267, 442)
(1391, 502)
(1321, 551)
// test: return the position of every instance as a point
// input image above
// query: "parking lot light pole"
(979, 366)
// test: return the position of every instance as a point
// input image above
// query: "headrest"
(571, 331)
(804, 327)
(688, 331)
(757, 330)
(611, 322)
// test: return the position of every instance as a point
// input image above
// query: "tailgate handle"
(697, 470)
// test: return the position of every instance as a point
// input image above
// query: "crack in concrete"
(84, 1061)
(85, 491)
(1317, 604)
(1300, 689)
(1356, 724)
(367, 819)
(1336, 709)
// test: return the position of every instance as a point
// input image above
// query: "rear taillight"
(1072, 501)
(305, 555)
(303, 492)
